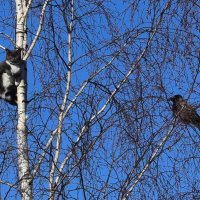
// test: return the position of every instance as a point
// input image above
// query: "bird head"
(175, 98)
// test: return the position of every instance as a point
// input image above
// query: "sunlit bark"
(23, 159)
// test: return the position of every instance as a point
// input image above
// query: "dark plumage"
(184, 111)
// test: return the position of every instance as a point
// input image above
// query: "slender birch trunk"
(53, 186)
(23, 161)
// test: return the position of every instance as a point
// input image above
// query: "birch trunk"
(23, 161)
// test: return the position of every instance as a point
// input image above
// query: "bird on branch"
(185, 112)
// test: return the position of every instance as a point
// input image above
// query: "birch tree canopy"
(94, 119)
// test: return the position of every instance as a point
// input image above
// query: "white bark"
(62, 108)
(73, 102)
(150, 160)
(39, 26)
(119, 86)
(23, 161)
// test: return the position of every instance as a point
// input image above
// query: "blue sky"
(170, 62)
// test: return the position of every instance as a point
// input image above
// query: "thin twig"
(38, 31)
(8, 37)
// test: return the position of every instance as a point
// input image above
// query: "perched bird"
(184, 111)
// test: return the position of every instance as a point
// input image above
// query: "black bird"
(184, 111)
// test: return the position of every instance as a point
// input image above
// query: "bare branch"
(8, 37)
(73, 103)
(112, 94)
(9, 184)
(38, 31)
(151, 159)
(61, 116)
(2, 47)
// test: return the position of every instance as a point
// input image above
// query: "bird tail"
(197, 123)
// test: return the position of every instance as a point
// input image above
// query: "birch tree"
(22, 144)
(93, 119)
